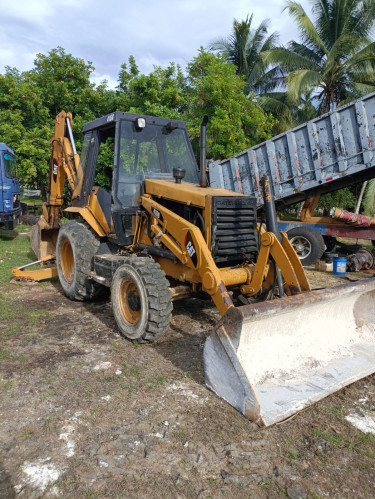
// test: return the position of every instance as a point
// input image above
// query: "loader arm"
(187, 243)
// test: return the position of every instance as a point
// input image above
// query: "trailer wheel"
(141, 299)
(75, 249)
(307, 243)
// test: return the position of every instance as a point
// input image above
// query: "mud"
(85, 413)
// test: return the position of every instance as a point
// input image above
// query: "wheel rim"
(301, 245)
(67, 261)
(130, 303)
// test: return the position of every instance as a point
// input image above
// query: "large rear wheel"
(141, 299)
(75, 249)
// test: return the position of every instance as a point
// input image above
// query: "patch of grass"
(361, 443)
(15, 250)
(155, 380)
(293, 455)
(212, 481)
(28, 432)
(18, 319)
(137, 379)
(136, 372)
(180, 435)
(6, 385)
(265, 484)
(69, 484)
(15, 318)
(8, 355)
(91, 495)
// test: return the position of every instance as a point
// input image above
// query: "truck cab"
(10, 206)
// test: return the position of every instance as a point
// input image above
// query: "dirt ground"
(86, 413)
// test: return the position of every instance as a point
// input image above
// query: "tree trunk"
(358, 205)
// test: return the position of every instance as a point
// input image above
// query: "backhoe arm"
(64, 165)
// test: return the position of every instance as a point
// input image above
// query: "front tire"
(307, 243)
(75, 249)
(141, 299)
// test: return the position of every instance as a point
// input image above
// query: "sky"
(107, 32)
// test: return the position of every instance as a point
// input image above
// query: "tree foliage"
(336, 55)
(30, 101)
(240, 87)
(343, 198)
(235, 121)
(160, 93)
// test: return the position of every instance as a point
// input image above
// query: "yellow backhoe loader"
(162, 234)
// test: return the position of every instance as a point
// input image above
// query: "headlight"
(140, 123)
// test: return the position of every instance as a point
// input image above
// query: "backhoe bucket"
(271, 359)
(43, 239)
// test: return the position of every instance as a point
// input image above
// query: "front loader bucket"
(272, 359)
(43, 239)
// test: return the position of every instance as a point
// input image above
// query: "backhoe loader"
(162, 234)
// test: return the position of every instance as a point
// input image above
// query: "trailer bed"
(323, 155)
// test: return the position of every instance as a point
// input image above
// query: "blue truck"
(10, 205)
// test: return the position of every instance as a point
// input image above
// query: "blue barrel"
(339, 266)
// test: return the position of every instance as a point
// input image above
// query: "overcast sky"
(106, 32)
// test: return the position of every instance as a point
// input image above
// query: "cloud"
(107, 33)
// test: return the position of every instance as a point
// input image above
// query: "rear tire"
(75, 249)
(307, 243)
(141, 299)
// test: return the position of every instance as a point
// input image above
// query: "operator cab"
(136, 148)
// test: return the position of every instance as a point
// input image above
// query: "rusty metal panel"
(323, 155)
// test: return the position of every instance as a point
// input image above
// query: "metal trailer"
(10, 205)
(323, 155)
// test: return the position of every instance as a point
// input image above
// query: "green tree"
(160, 93)
(63, 79)
(343, 198)
(24, 125)
(336, 55)
(29, 102)
(235, 121)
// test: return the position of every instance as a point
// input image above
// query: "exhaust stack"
(203, 177)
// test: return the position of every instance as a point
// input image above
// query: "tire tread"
(160, 306)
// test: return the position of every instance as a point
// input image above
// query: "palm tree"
(336, 56)
(244, 47)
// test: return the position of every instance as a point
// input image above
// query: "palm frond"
(275, 104)
(369, 198)
(286, 59)
(315, 57)
(301, 82)
(305, 25)
(363, 60)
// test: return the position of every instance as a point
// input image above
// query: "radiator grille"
(234, 229)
